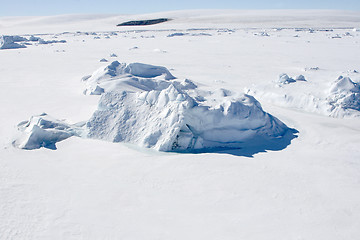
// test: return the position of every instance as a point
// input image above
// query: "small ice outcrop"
(201, 34)
(34, 39)
(103, 60)
(113, 55)
(300, 78)
(344, 95)
(262, 34)
(177, 34)
(42, 41)
(285, 79)
(10, 42)
(344, 85)
(312, 68)
(44, 131)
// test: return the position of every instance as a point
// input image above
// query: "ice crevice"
(146, 105)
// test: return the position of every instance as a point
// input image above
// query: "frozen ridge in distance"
(146, 105)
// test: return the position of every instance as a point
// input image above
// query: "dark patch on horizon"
(144, 22)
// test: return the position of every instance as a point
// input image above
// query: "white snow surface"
(308, 188)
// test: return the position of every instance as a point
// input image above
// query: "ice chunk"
(44, 131)
(34, 39)
(177, 34)
(9, 42)
(285, 79)
(300, 78)
(42, 41)
(344, 85)
(344, 95)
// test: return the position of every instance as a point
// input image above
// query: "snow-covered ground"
(93, 189)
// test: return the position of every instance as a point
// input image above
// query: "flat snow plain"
(92, 189)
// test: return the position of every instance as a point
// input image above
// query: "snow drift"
(339, 99)
(145, 105)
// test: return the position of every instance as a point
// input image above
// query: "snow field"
(93, 189)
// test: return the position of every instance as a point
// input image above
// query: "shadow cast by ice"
(252, 147)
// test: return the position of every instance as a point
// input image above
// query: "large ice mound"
(171, 115)
(10, 42)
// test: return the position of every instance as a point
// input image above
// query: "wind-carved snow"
(145, 105)
(340, 99)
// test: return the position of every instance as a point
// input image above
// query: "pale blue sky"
(41, 7)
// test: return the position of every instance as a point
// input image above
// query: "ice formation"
(344, 97)
(285, 79)
(10, 42)
(44, 131)
(134, 75)
(147, 106)
(154, 110)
